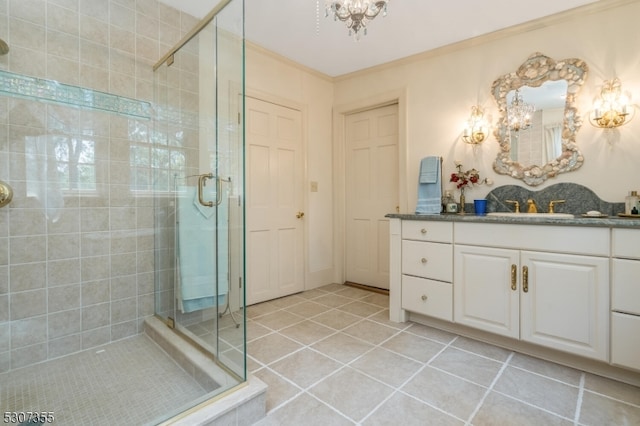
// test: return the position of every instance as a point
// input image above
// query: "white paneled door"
(274, 201)
(371, 157)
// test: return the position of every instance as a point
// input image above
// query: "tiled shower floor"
(130, 382)
(331, 357)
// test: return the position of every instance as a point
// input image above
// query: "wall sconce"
(477, 127)
(613, 108)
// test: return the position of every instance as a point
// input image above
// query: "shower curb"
(243, 405)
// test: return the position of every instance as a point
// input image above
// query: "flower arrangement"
(467, 179)
(470, 178)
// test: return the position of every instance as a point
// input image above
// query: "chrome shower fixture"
(4, 47)
(6, 194)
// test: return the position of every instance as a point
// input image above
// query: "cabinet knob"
(423, 260)
(424, 298)
(423, 231)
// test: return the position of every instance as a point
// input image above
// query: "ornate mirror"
(538, 118)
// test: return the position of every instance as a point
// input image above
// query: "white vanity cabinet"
(565, 292)
(544, 285)
(427, 268)
(625, 298)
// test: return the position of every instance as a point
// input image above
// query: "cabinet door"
(566, 304)
(483, 293)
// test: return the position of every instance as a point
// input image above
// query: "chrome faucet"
(552, 203)
(531, 206)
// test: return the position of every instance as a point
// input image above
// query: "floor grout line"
(489, 388)
(576, 417)
(398, 389)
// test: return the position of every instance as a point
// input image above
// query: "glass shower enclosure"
(121, 211)
(198, 200)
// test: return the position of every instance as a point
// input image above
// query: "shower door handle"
(201, 181)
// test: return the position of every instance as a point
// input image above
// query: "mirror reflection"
(536, 138)
(539, 118)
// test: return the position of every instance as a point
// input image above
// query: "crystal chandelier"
(356, 13)
(519, 113)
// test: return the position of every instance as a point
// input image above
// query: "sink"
(531, 215)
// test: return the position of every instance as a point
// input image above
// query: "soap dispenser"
(449, 203)
(632, 203)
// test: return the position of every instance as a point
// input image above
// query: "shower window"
(153, 168)
(76, 163)
(60, 162)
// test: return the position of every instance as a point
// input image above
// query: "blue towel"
(429, 170)
(202, 249)
(429, 186)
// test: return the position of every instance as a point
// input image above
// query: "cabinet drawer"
(427, 297)
(427, 260)
(625, 340)
(427, 231)
(625, 286)
(625, 243)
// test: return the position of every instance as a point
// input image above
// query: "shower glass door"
(197, 175)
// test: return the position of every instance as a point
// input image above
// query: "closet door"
(274, 201)
(371, 158)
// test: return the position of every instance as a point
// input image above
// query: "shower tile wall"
(77, 255)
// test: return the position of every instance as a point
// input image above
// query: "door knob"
(300, 215)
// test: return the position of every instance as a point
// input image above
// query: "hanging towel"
(429, 186)
(429, 169)
(202, 250)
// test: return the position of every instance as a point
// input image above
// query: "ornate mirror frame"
(535, 71)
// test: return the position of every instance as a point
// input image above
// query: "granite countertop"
(526, 219)
(576, 199)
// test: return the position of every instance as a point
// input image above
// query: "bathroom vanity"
(562, 289)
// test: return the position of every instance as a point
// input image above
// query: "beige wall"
(442, 87)
(436, 91)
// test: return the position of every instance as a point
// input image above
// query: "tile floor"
(128, 382)
(331, 357)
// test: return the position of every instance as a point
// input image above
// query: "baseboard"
(367, 287)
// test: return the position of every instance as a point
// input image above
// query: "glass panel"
(195, 165)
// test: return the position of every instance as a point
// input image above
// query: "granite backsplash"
(578, 199)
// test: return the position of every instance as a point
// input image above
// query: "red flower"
(468, 178)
